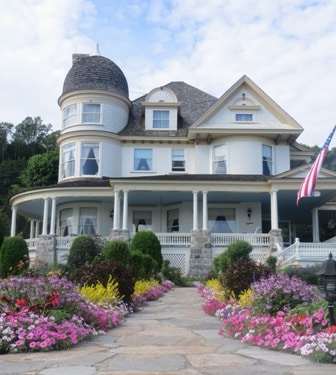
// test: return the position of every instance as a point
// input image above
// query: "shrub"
(99, 294)
(148, 243)
(117, 250)
(307, 274)
(143, 265)
(241, 274)
(83, 250)
(238, 250)
(14, 256)
(172, 274)
(280, 292)
(271, 261)
(95, 272)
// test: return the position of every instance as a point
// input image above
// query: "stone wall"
(45, 252)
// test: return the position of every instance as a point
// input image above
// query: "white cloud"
(285, 46)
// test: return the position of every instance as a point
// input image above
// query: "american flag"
(308, 184)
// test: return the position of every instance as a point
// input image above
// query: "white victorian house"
(197, 170)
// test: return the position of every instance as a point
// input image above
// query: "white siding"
(244, 157)
(281, 159)
(111, 159)
(202, 160)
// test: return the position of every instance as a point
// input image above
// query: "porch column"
(31, 228)
(195, 211)
(45, 217)
(13, 223)
(125, 211)
(53, 217)
(315, 222)
(274, 210)
(116, 217)
(205, 210)
(37, 228)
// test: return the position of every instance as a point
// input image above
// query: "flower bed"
(48, 313)
(283, 314)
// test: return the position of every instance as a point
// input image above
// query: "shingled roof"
(97, 73)
(194, 103)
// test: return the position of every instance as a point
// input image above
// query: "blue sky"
(287, 47)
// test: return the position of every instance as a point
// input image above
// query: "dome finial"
(96, 51)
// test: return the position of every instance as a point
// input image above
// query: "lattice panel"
(177, 260)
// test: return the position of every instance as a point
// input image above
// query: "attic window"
(244, 117)
(160, 119)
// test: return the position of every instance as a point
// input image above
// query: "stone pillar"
(120, 234)
(45, 252)
(200, 253)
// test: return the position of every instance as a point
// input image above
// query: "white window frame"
(246, 117)
(161, 119)
(70, 115)
(141, 161)
(91, 116)
(68, 167)
(267, 159)
(219, 159)
(178, 160)
(142, 220)
(95, 146)
(88, 220)
(66, 222)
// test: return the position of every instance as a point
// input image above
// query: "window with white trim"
(91, 113)
(70, 115)
(243, 117)
(222, 220)
(219, 159)
(88, 220)
(178, 160)
(68, 160)
(90, 159)
(143, 159)
(160, 119)
(65, 227)
(173, 220)
(267, 160)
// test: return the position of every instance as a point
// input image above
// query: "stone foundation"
(200, 253)
(120, 234)
(45, 252)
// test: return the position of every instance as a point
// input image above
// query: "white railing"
(305, 252)
(255, 239)
(174, 239)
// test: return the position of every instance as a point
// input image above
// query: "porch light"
(327, 284)
(249, 213)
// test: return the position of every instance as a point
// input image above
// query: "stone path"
(169, 336)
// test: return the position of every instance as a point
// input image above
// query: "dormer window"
(161, 109)
(160, 119)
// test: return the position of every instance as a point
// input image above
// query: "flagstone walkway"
(169, 336)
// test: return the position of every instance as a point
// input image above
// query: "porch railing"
(305, 252)
(255, 239)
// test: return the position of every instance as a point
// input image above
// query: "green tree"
(41, 170)
(5, 132)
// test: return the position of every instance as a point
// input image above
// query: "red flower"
(331, 329)
(21, 303)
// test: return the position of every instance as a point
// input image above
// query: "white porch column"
(53, 217)
(45, 217)
(205, 210)
(315, 222)
(125, 211)
(274, 210)
(31, 228)
(13, 223)
(195, 211)
(37, 228)
(116, 217)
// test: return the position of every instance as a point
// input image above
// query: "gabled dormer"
(161, 110)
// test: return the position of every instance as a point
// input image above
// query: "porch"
(176, 247)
